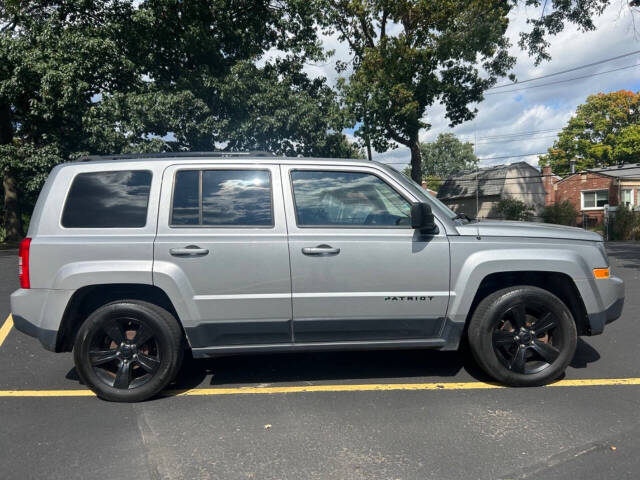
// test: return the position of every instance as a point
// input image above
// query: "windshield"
(419, 192)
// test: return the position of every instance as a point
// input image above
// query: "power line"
(518, 134)
(562, 81)
(485, 158)
(513, 140)
(540, 175)
(579, 67)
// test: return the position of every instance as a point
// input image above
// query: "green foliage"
(106, 76)
(563, 213)
(605, 131)
(409, 54)
(625, 224)
(514, 209)
(447, 155)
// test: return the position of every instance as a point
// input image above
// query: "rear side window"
(222, 198)
(108, 200)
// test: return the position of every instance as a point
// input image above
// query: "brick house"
(591, 190)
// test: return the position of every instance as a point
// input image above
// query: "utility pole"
(475, 141)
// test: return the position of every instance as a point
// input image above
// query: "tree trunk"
(368, 141)
(12, 220)
(416, 161)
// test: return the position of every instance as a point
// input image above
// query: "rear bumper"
(38, 312)
(48, 338)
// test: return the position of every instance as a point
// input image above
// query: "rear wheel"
(128, 350)
(523, 336)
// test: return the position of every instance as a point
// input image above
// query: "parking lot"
(392, 414)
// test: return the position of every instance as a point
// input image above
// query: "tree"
(105, 76)
(604, 131)
(447, 155)
(408, 54)
(53, 60)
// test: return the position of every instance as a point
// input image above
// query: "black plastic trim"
(47, 337)
(598, 320)
(239, 333)
(358, 329)
(319, 346)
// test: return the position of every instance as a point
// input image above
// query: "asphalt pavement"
(456, 432)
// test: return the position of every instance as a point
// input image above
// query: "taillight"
(23, 263)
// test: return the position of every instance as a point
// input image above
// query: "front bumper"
(612, 294)
(597, 321)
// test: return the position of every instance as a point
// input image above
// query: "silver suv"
(131, 261)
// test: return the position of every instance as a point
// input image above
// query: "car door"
(359, 271)
(221, 251)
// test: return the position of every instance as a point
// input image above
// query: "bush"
(625, 224)
(514, 209)
(563, 213)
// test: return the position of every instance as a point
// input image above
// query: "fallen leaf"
(267, 426)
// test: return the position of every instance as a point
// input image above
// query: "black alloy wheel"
(525, 339)
(125, 353)
(128, 350)
(522, 336)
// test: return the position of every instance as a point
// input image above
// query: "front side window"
(223, 198)
(108, 200)
(595, 199)
(347, 199)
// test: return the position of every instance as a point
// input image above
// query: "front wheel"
(522, 336)
(128, 350)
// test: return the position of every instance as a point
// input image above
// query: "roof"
(490, 181)
(619, 171)
(170, 158)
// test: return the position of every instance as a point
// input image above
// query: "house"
(477, 193)
(591, 190)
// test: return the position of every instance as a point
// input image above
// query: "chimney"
(547, 182)
(572, 163)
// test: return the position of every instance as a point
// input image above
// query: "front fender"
(477, 266)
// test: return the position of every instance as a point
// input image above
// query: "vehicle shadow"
(369, 366)
(340, 367)
(585, 354)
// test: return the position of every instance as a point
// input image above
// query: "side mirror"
(422, 218)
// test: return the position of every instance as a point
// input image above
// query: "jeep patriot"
(132, 261)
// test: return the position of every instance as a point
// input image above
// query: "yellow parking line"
(598, 382)
(5, 329)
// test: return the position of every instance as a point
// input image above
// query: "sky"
(501, 117)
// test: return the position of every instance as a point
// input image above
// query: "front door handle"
(190, 251)
(321, 250)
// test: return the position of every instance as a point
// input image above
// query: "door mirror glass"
(422, 218)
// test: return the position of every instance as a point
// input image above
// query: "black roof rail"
(133, 156)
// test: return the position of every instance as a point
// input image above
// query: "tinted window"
(227, 198)
(108, 200)
(347, 199)
(186, 200)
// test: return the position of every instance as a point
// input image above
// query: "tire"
(128, 350)
(522, 336)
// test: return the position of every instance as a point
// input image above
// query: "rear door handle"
(321, 250)
(190, 251)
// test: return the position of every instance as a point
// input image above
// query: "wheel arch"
(87, 299)
(557, 283)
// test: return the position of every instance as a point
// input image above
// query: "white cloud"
(534, 108)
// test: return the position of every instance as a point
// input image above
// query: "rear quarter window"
(108, 200)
